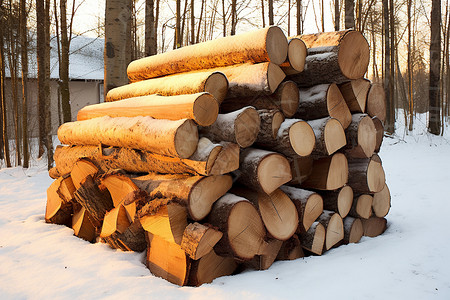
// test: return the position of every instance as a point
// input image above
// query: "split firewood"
(172, 138)
(240, 127)
(197, 193)
(132, 239)
(379, 127)
(301, 169)
(81, 168)
(329, 136)
(167, 260)
(271, 120)
(291, 249)
(361, 136)
(334, 57)
(198, 240)
(353, 230)
(241, 225)
(59, 209)
(313, 240)
(214, 83)
(339, 200)
(362, 206)
(374, 226)
(277, 211)
(82, 225)
(53, 173)
(376, 102)
(355, 94)
(263, 170)
(116, 220)
(266, 44)
(309, 206)
(332, 222)
(382, 202)
(285, 98)
(210, 267)
(202, 108)
(366, 175)
(297, 52)
(324, 100)
(264, 261)
(328, 173)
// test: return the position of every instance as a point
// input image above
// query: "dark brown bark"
(434, 124)
(150, 32)
(349, 14)
(270, 2)
(24, 68)
(337, 15)
(64, 65)
(5, 142)
(233, 17)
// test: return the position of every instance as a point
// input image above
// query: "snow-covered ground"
(411, 260)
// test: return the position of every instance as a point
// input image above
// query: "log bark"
(374, 226)
(172, 138)
(362, 206)
(58, 209)
(328, 173)
(82, 225)
(339, 201)
(334, 226)
(240, 127)
(376, 102)
(296, 57)
(361, 137)
(321, 101)
(380, 133)
(301, 169)
(267, 44)
(309, 206)
(210, 267)
(198, 240)
(353, 230)
(270, 123)
(291, 249)
(355, 94)
(381, 202)
(263, 262)
(329, 136)
(263, 170)
(202, 108)
(366, 175)
(314, 239)
(214, 83)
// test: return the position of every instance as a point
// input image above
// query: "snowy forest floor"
(409, 261)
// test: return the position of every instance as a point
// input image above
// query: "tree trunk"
(350, 14)
(434, 123)
(150, 28)
(233, 17)
(361, 137)
(64, 69)
(270, 2)
(337, 16)
(5, 141)
(192, 23)
(24, 68)
(46, 89)
(339, 201)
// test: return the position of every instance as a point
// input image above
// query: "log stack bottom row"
(217, 159)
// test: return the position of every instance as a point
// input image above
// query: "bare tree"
(337, 15)
(24, 68)
(233, 17)
(299, 17)
(5, 142)
(349, 14)
(192, 23)
(150, 37)
(178, 36)
(434, 123)
(270, 2)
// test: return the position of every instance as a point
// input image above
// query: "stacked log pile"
(229, 154)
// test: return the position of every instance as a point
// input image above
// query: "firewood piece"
(376, 102)
(267, 44)
(314, 239)
(263, 170)
(334, 57)
(165, 218)
(270, 123)
(329, 136)
(355, 94)
(80, 170)
(309, 206)
(366, 175)
(202, 108)
(328, 173)
(353, 230)
(198, 240)
(382, 202)
(374, 226)
(277, 211)
(58, 209)
(240, 127)
(115, 220)
(215, 83)
(291, 249)
(132, 239)
(82, 225)
(264, 261)
(297, 52)
(54, 174)
(301, 169)
(241, 225)
(96, 202)
(210, 267)
(339, 201)
(197, 193)
(361, 137)
(321, 101)
(334, 226)
(362, 206)
(172, 138)
(379, 127)
(285, 98)
(167, 260)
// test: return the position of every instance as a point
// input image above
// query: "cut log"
(362, 206)
(321, 101)
(172, 138)
(285, 98)
(294, 137)
(309, 206)
(132, 239)
(82, 225)
(270, 123)
(267, 44)
(241, 225)
(116, 220)
(297, 52)
(382, 202)
(329, 136)
(291, 249)
(339, 201)
(361, 137)
(240, 127)
(353, 230)
(263, 170)
(328, 173)
(264, 261)
(202, 108)
(314, 239)
(210, 267)
(198, 240)
(277, 211)
(366, 175)
(334, 226)
(80, 170)
(355, 94)
(167, 260)
(197, 193)
(58, 209)
(54, 174)
(374, 226)
(334, 57)
(301, 169)
(380, 133)
(376, 102)
(214, 83)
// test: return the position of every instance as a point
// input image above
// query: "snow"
(409, 261)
